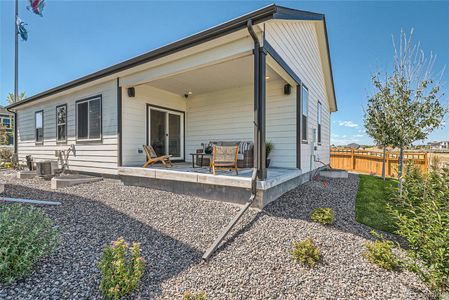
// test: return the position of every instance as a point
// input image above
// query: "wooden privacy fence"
(365, 161)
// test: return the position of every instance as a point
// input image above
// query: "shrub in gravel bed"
(306, 252)
(194, 296)
(121, 267)
(380, 252)
(26, 235)
(323, 215)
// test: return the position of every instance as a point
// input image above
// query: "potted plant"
(268, 148)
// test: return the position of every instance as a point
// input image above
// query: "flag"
(21, 29)
(36, 6)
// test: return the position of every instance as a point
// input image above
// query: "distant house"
(442, 145)
(353, 146)
(6, 120)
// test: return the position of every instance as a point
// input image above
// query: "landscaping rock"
(175, 230)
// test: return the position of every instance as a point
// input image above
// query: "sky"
(75, 38)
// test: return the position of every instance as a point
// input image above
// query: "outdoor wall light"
(267, 77)
(131, 92)
(287, 89)
(186, 95)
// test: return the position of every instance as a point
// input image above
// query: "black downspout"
(119, 124)
(262, 114)
(259, 105)
(15, 130)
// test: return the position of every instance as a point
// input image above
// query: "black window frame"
(57, 124)
(319, 116)
(35, 127)
(304, 117)
(88, 139)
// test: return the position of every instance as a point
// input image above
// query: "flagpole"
(16, 54)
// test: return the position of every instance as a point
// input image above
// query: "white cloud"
(348, 124)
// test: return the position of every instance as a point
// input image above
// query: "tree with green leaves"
(11, 99)
(418, 101)
(411, 96)
(378, 118)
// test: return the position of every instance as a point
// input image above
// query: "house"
(264, 76)
(442, 145)
(7, 122)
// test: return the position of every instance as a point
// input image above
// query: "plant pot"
(268, 162)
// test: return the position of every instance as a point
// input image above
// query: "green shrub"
(380, 252)
(121, 267)
(194, 296)
(26, 235)
(306, 252)
(424, 222)
(324, 216)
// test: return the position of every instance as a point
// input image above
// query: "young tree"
(408, 105)
(417, 106)
(10, 98)
(378, 118)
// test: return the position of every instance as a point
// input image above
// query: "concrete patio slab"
(71, 180)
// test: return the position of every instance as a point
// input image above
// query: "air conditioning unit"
(46, 168)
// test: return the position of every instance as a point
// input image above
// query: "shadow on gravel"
(86, 226)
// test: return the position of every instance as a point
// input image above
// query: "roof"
(261, 15)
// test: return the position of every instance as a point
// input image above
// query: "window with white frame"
(305, 112)
(39, 126)
(88, 119)
(319, 123)
(61, 123)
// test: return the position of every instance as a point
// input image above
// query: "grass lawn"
(371, 202)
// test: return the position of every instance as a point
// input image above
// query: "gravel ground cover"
(174, 231)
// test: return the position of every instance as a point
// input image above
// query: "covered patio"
(225, 95)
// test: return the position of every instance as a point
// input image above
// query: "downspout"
(256, 53)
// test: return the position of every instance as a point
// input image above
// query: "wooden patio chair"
(224, 157)
(152, 157)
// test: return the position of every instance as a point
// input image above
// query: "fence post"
(353, 159)
(426, 162)
(387, 164)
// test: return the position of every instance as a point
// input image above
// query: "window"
(319, 123)
(39, 126)
(305, 111)
(6, 122)
(61, 123)
(88, 120)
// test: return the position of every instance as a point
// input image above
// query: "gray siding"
(97, 157)
(297, 44)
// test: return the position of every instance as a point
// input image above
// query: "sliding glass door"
(166, 132)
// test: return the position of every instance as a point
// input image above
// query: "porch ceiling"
(229, 74)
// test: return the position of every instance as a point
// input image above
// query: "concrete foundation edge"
(216, 192)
